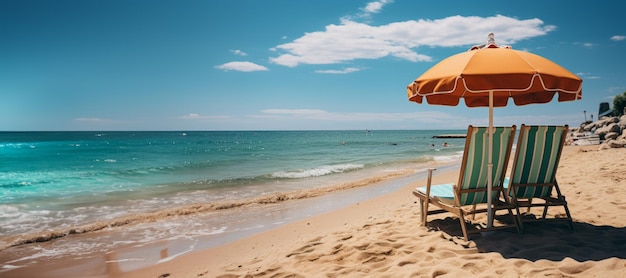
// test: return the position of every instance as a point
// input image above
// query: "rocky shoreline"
(610, 130)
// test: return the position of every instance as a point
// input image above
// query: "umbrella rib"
(467, 89)
(557, 90)
(532, 81)
(416, 92)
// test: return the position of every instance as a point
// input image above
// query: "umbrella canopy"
(487, 76)
(525, 77)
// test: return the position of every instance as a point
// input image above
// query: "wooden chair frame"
(471, 189)
(533, 175)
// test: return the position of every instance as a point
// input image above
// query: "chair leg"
(518, 214)
(428, 183)
(423, 212)
(514, 219)
(473, 212)
(545, 210)
(569, 216)
(463, 226)
(564, 202)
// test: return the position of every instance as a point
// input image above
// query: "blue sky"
(283, 64)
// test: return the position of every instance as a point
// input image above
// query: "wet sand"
(380, 236)
(234, 221)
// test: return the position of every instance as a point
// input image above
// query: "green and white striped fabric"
(538, 153)
(475, 165)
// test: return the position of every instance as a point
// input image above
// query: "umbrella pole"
(490, 162)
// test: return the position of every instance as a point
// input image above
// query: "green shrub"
(619, 102)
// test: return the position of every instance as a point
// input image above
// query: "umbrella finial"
(491, 43)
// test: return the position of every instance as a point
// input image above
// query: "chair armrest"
(429, 181)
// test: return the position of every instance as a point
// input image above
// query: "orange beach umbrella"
(487, 76)
(525, 77)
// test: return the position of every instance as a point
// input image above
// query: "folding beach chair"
(533, 175)
(463, 197)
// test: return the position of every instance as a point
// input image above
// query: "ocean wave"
(449, 157)
(7, 211)
(16, 146)
(317, 172)
(135, 218)
(22, 180)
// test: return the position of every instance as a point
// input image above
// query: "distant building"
(605, 110)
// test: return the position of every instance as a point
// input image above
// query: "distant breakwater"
(611, 130)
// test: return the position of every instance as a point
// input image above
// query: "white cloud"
(618, 38)
(317, 114)
(352, 40)
(239, 52)
(616, 90)
(241, 66)
(376, 6)
(297, 119)
(370, 8)
(194, 116)
(92, 120)
(342, 71)
(294, 112)
(586, 75)
(294, 118)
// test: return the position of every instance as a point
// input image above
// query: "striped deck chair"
(533, 175)
(463, 197)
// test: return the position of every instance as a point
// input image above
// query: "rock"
(617, 143)
(606, 120)
(611, 143)
(611, 127)
(611, 136)
(589, 127)
(612, 130)
(622, 122)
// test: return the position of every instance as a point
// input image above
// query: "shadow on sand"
(552, 241)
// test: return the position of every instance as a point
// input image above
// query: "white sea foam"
(317, 172)
(76, 248)
(449, 158)
(92, 187)
(8, 266)
(8, 211)
(218, 231)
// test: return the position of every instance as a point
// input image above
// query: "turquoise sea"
(59, 183)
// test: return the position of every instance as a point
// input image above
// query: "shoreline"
(380, 235)
(244, 219)
(167, 213)
(257, 248)
(275, 194)
(96, 179)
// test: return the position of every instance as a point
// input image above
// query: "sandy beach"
(382, 237)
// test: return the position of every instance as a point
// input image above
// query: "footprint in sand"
(403, 263)
(307, 248)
